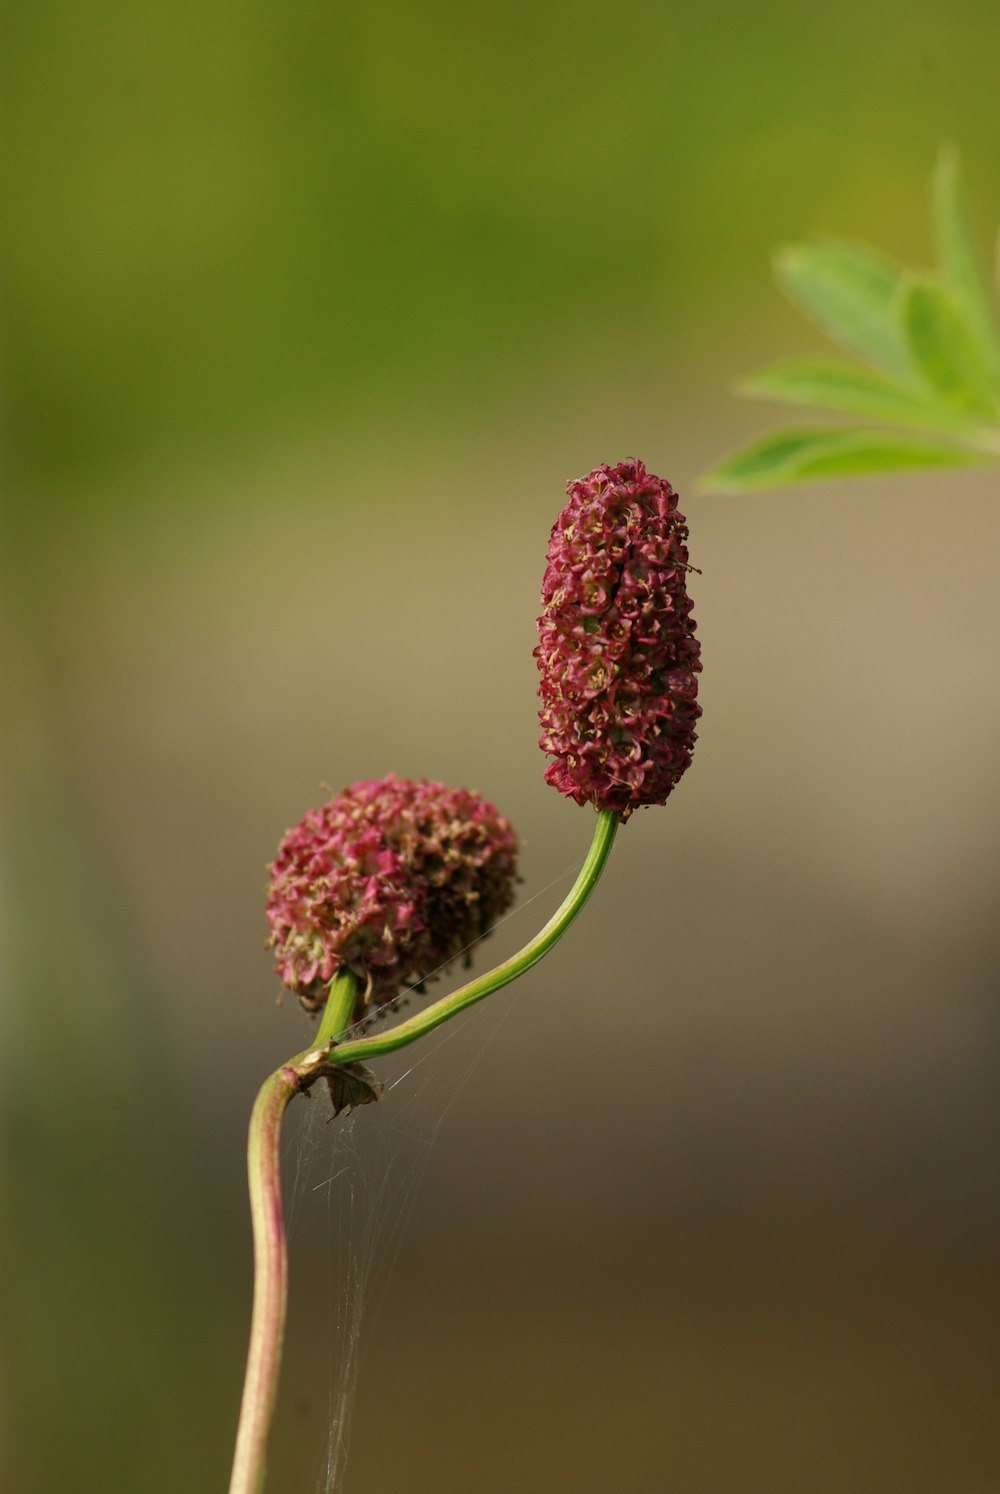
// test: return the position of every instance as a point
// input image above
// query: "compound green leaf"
(961, 268)
(801, 455)
(849, 388)
(945, 350)
(851, 292)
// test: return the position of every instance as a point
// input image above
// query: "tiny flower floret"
(617, 653)
(390, 880)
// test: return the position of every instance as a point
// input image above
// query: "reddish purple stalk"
(270, 1292)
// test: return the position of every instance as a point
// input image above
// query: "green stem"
(270, 1250)
(263, 1163)
(432, 1016)
(339, 1010)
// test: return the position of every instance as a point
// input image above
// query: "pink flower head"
(390, 880)
(618, 655)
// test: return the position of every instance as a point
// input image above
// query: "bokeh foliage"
(928, 351)
(226, 215)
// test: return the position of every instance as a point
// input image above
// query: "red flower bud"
(617, 653)
(389, 880)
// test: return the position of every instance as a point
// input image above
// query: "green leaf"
(848, 387)
(944, 349)
(799, 455)
(850, 291)
(961, 268)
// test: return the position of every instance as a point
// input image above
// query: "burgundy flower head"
(390, 880)
(618, 655)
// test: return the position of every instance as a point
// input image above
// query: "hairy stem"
(270, 1252)
(432, 1016)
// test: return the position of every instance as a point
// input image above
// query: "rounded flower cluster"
(618, 655)
(389, 880)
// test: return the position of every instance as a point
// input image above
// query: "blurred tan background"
(311, 311)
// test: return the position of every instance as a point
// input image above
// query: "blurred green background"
(310, 312)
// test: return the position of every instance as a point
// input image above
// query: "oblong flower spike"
(618, 655)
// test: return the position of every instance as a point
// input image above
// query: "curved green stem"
(270, 1251)
(432, 1016)
(263, 1162)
